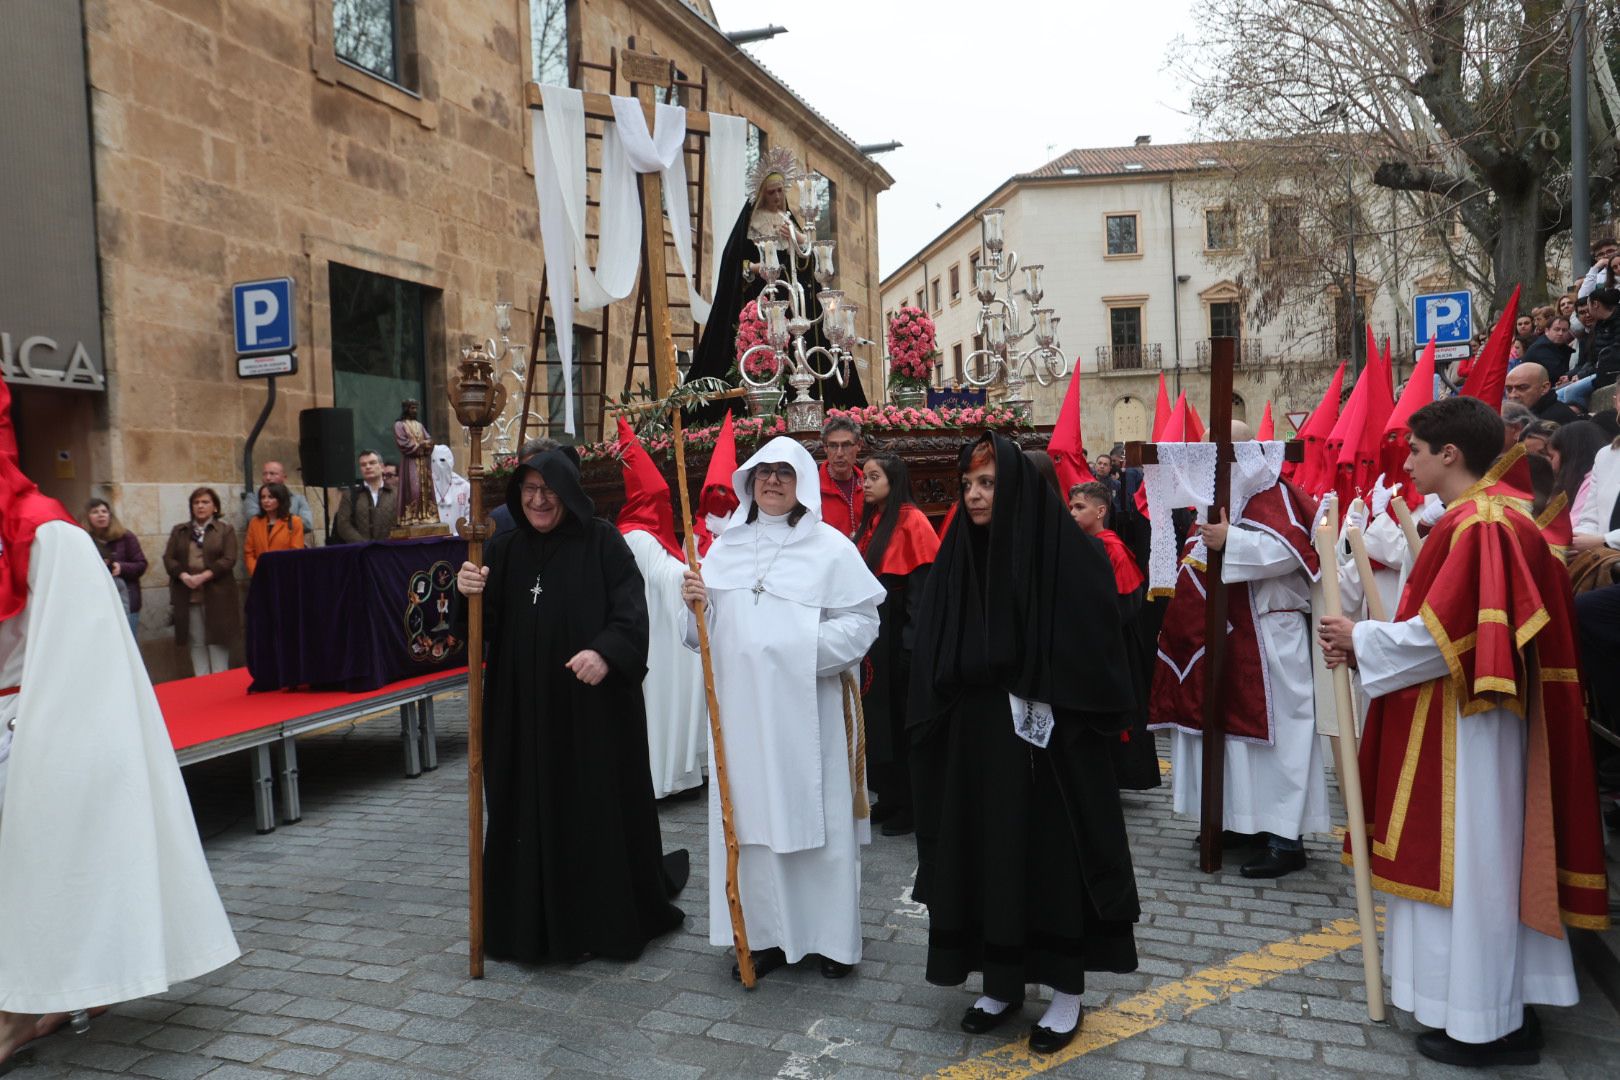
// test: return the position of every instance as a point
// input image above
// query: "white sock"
(1063, 1014)
(993, 1006)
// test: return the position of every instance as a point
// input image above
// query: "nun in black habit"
(764, 216)
(1019, 683)
(573, 859)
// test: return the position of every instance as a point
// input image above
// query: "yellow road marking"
(1149, 1009)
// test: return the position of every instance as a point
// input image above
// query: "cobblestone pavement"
(353, 928)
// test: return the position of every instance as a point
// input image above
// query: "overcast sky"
(976, 91)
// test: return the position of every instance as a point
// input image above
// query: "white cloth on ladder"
(728, 183)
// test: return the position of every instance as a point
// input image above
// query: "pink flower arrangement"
(913, 353)
(949, 418)
(751, 332)
(747, 430)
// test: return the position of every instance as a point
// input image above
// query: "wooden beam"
(600, 107)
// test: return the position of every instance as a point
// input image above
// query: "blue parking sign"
(1447, 317)
(264, 315)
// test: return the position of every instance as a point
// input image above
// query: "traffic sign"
(264, 315)
(1297, 419)
(1447, 317)
(1446, 352)
(259, 367)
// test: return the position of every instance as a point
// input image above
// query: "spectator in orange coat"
(275, 529)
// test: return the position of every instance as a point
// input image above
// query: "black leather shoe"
(976, 1021)
(1522, 1047)
(902, 824)
(1046, 1041)
(765, 962)
(1273, 863)
(832, 969)
(882, 812)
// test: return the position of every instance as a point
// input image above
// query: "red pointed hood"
(717, 498)
(1161, 410)
(1195, 424)
(1066, 447)
(23, 509)
(1393, 450)
(1268, 427)
(1175, 425)
(1488, 378)
(1315, 433)
(646, 494)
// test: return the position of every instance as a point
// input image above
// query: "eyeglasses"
(534, 492)
(841, 448)
(782, 470)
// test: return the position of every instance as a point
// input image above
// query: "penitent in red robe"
(1497, 601)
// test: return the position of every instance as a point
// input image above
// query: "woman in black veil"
(765, 216)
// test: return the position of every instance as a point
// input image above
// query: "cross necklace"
(536, 591)
(759, 578)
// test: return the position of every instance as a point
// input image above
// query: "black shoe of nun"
(976, 1021)
(765, 962)
(832, 969)
(1522, 1047)
(1046, 1041)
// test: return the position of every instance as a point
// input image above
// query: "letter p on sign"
(263, 312)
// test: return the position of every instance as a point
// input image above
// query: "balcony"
(1128, 358)
(1250, 354)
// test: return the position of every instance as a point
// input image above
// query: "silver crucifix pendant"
(758, 590)
(535, 592)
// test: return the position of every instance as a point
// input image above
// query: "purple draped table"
(353, 617)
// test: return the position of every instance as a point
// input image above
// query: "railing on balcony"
(1250, 353)
(1129, 357)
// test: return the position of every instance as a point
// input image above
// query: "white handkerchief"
(1032, 721)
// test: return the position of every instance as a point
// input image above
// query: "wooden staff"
(1403, 514)
(1350, 781)
(646, 72)
(478, 399)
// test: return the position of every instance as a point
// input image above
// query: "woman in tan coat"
(200, 558)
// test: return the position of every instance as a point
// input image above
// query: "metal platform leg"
(291, 811)
(264, 798)
(430, 735)
(410, 731)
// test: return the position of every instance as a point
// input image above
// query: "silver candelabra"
(508, 363)
(1002, 325)
(782, 306)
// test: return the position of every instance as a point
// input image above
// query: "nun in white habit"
(791, 608)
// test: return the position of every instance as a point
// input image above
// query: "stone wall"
(231, 144)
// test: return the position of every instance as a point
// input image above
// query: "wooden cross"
(1212, 813)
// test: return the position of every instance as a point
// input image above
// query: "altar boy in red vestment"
(1481, 801)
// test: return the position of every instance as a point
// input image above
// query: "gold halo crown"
(778, 160)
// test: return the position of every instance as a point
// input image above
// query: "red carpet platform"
(212, 715)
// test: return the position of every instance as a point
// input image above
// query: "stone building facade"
(1145, 259)
(376, 152)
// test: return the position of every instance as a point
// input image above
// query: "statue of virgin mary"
(765, 216)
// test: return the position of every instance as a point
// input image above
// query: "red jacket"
(841, 513)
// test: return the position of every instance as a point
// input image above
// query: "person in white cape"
(451, 490)
(105, 894)
(791, 608)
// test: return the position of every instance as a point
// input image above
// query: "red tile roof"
(1124, 160)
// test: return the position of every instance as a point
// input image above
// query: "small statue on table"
(418, 505)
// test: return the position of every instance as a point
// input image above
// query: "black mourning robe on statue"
(573, 859)
(717, 349)
(1023, 859)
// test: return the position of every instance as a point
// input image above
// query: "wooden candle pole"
(477, 399)
(1350, 781)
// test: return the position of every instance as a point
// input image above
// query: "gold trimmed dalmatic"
(1497, 601)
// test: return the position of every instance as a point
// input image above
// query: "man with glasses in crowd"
(841, 494)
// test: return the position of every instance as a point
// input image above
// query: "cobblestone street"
(353, 925)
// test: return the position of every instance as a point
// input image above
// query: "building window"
(753, 147)
(548, 41)
(378, 36)
(956, 362)
(1225, 319)
(379, 352)
(827, 221)
(934, 286)
(1220, 228)
(1121, 231)
(1125, 336)
(920, 300)
(956, 282)
(1282, 230)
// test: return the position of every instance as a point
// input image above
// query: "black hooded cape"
(573, 859)
(717, 349)
(1023, 859)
